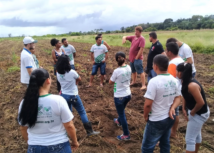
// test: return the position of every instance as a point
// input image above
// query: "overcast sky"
(40, 17)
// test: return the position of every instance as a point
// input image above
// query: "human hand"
(146, 118)
(172, 113)
(185, 114)
(93, 62)
(74, 145)
(124, 40)
(192, 114)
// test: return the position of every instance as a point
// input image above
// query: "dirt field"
(98, 103)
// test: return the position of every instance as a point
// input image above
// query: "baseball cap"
(29, 40)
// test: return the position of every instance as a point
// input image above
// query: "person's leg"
(134, 73)
(102, 72)
(175, 125)
(78, 105)
(138, 64)
(68, 99)
(164, 140)
(94, 72)
(119, 103)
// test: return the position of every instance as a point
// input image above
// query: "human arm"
(175, 104)
(70, 129)
(140, 53)
(74, 54)
(113, 77)
(54, 56)
(29, 70)
(24, 133)
(188, 55)
(92, 58)
(147, 108)
(111, 82)
(106, 56)
(184, 108)
(63, 51)
(78, 80)
(189, 60)
(124, 39)
(141, 45)
(108, 47)
(163, 53)
(195, 90)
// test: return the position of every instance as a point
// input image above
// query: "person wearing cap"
(155, 49)
(27, 62)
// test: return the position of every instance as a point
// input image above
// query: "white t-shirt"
(70, 50)
(162, 89)
(121, 78)
(99, 52)
(68, 82)
(186, 52)
(27, 61)
(53, 111)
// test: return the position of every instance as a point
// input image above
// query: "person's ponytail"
(120, 58)
(29, 109)
(186, 77)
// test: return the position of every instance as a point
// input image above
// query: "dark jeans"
(59, 148)
(73, 67)
(120, 104)
(157, 131)
(151, 75)
(77, 105)
(102, 67)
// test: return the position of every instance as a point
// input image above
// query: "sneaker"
(123, 137)
(117, 122)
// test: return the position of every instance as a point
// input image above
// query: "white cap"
(29, 40)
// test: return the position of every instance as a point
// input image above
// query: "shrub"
(13, 69)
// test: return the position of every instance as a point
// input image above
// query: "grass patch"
(13, 69)
(48, 51)
(211, 90)
(85, 55)
(14, 58)
(212, 66)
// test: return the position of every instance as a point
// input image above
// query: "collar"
(155, 42)
(98, 45)
(181, 45)
(166, 74)
(27, 50)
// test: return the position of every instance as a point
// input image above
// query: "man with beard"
(155, 49)
(27, 61)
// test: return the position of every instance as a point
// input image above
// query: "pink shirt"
(137, 43)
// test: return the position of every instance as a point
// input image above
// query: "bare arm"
(74, 55)
(78, 80)
(189, 60)
(184, 108)
(164, 53)
(124, 39)
(147, 108)
(106, 57)
(175, 104)
(111, 82)
(54, 56)
(29, 70)
(24, 133)
(139, 53)
(195, 90)
(69, 127)
(108, 47)
(63, 51)
(92, 57)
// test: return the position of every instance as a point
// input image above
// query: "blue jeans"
(120, 104)
(151, 75)
(72, 67)
(77, 104)
(102, 67)
(59, 148)
(137, 66)
(157, 131)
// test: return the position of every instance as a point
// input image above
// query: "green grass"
(211, 90)
(14, 58)
(13, 69)
(48, 51)
(212, 66)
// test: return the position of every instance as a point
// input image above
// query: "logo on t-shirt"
(153, 48)
(44, 111)
(126, 77)
(99, 58)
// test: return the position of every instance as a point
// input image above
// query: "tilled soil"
(98, 102)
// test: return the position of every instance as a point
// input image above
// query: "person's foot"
(89, 85)
(133, 83)
(101, 85)
(143, 88)
(117, 122)
(173, 136)
(123, 137)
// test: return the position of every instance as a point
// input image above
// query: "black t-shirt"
(155, 49)
(190, 100)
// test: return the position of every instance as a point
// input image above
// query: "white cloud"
(53, 16)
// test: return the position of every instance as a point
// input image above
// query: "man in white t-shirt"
(185, 52)
(161, 99)
(27, 61)
(70, 51)
(99, 55)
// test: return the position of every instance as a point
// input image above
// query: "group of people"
(46, 120)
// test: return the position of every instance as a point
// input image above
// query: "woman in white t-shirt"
(45, 119)
(122, 94)
(68, 80)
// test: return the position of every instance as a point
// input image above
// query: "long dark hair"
(186, 77)
(63, 65)
(29, 109)
(122, 60)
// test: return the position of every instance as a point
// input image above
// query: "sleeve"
(28, 62)
(75, 75)
(105, 49)
(142, 43)
(114, 76)
(172, 70)
(130, 38)
(65, 113)
(73, 49)
(151, 90)
(178, 88)
(92, 49)
(159, 49)
(188, 53)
